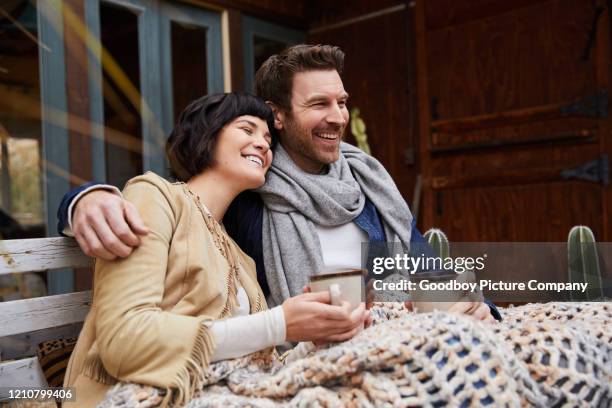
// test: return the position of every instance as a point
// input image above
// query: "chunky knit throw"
(541, 355)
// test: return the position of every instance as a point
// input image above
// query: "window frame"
(55, 169)
(151, 104)
(211, 21)
(252, 26)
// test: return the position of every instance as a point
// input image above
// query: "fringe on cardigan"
(189, 379)
(94, 369)
(192, 376)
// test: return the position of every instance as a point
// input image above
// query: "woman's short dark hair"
(191, 144)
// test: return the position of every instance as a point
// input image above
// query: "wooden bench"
(25, 323)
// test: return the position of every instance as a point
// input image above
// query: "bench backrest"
(25, 323)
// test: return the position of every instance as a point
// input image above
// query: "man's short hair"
(274, 80)
(191, 145)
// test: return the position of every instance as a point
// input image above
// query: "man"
(322, 198)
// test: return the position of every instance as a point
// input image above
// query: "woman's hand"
(368, 305)
(311, 317)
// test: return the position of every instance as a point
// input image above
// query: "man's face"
(312, 131)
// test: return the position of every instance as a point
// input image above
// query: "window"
(122, 119)
(192, 60)
(21, 195)
(147, 60)
(154, 58)
(33, 134)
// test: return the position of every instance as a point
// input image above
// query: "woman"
(188, 296)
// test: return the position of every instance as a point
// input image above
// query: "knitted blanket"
(541, 355)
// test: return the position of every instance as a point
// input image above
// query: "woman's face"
(242, 154)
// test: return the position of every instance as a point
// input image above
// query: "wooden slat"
(444, 143)
(289, 13)
(20, 373)
(507, 118)
(22, 316)
(503, 178)
(29, 255)
(444, 13)
(424, 114)
(518, 116)
(26, 345)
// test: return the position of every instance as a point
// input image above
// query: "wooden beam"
(22, 316)
(500, 179)
(20, 373)
(5, 187)
(601, 54)
(236, 49)
(78, 103)
(26, 344)
(443, 144)
(467, 12)
(501, 119)
(358, 19)
(40, 254)
(77, 92)
(427, 206)
(288, 13)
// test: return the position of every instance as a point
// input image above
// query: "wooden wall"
(486, 128)
(379, 78)
(502, 88)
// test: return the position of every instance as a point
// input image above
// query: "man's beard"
(301, 140)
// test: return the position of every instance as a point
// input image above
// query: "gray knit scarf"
(295, 201)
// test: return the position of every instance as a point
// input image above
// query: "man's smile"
(328, 136)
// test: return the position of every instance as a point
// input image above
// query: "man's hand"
(311, 317)
(106, 226)
(477, 310)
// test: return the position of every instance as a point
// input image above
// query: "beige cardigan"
(146, 324)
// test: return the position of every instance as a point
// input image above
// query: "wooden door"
(514, 118)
